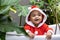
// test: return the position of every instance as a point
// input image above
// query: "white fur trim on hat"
(29, 8)
(30, 23)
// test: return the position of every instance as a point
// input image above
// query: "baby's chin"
(37, 22)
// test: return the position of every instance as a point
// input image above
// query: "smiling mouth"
(36, 19)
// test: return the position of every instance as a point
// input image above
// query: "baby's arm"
(31, 35)
(49, 32)
(27, 29)
(48, 35)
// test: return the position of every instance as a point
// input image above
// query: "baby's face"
(36, 17)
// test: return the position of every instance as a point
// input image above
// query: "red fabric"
(41, 30)
(34, 6)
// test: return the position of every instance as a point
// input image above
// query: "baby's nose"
(36, 16)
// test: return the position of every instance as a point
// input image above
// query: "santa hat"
(32, 8)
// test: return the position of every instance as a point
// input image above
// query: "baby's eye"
(39, 15)
(33, 15)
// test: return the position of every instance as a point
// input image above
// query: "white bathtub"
(15, 36)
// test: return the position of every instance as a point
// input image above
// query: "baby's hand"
(48, 35)
(31, 35)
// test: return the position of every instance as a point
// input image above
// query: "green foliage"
(53, 5)
(4, 9)
(58, 11)
(10, 27)
(6, 24)
(51, 11)
(24, 11)
(21, 10)
(4, 18)
(9, 2)
(2, 35)
(6, 5)
(35, 2)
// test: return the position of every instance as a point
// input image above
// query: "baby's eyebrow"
(39, 13)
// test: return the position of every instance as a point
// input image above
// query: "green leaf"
(10, 27)
(22, 30)
(32, 2)
(4, 9)
(24, 11)
(9, 2)
(7, 26)
(18, 7)
(20, 14)
(41, 3)
(58, 7)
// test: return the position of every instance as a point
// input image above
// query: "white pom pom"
(29, 8)
(36, 32)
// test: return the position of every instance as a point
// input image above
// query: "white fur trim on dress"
(27, 30)
(30, 23)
